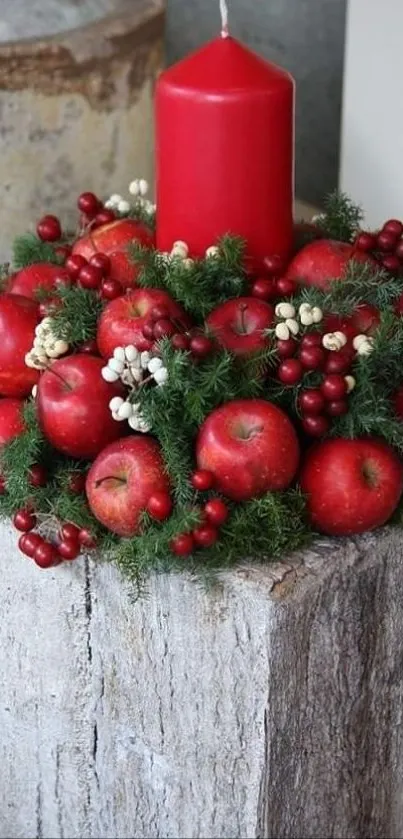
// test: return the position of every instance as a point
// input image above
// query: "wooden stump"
(267, 706)
(76, 107)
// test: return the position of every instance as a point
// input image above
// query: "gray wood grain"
(267, 706)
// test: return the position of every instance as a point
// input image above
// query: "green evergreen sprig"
(341, 218)
(28, 250)
(76, 320)
(362, 283)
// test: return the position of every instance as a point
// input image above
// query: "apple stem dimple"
(242, 309)
(58, 376)
(110, 478)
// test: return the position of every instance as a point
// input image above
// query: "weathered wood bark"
(76, 108)
(267, 706)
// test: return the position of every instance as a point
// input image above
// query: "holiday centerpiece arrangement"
(203, 382)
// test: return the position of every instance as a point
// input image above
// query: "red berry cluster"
(161, 325)
(93, 274)
(386, 245)
(93, 214)
(71, 540)
(330, 399)
(215, 513)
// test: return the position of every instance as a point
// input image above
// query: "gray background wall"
(306, 37)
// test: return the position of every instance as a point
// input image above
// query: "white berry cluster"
(363, 344)
(179, 253)
(46, 348)
(134, 369)
(289, 325)
(334, 341)
(138, 189)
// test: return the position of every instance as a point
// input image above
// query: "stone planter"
(76, 106)
(267, 706)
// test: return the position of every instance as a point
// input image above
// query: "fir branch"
(17, 456)
(77, 319)
(362, 283)
(28, 249)
(342, 218)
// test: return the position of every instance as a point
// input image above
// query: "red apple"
(113, 240)
(364, 321)
(351, 485)
(31, 279)
(123, 319)
(11, 419)
(73, 406)
(324, 260)
(122, 480)
(18, 319)
(239, 324)
(251, 448)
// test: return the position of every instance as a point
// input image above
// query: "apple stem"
(58, 376)
(242, 309)
(110, 478)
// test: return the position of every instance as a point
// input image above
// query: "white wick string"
(224, 19)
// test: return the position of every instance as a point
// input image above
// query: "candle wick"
(224, 19)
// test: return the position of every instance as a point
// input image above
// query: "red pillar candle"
(225, 151)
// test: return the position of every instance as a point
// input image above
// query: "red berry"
(180, 341)
(316, 426)
(3, 487)
(202, 480)
(205, 536)
(365, 242)
(46, 555)
(337, 408)
(86, 538)
(29, 542)
(38, 476)
(24, 520)
(286, 349)
(312, 358)
(394, 227)
(311, 339)
(70, 532)
(104, 217)
(311, 401)
(163, 328)
(101, 261)
(290, 371)
(386, 241)
(69, 548)
(333, 387)
(273, 264)
(159, 313)
(391, 263)
(264, 289)
(63, 251)
(183, 544)
(111, 289)
(285, 287)
(338, 362)
(159, 506)
(88, 203)
(216, 512)
(74, 264)
(201, 346)
(76, 482)
(89, 347)
(49, 229)
(399, 249)
(148, 331)
(90, 277)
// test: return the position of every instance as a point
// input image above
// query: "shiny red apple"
(122, 480)
(113, 239)
(251, 448)
(41, 276)
(324, 260)
(239, 324)
(11, 419)
(18, 319)
(73, 406)
(123, 319)
(351, 485)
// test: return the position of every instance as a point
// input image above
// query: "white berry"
(143, 186)
(213, 252)
(285, 310)
(116, 403)
(124, 206)
(331, 342)
(292, 325)
(34, 390)
(131, 353)
(317, 314)
(365, 347)
(306, 318)
(341, 337)
(61, 347)
(119, 354)
(358, 340)
(350, 382)
(304, 307)
(125, 411)
(51, 352)
(117, 366)
(282, 332)
(145, 359)
(109, 375)
(154, 364)
(133, 422)
(161, 376)
(134, 187)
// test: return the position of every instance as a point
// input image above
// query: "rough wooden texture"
(268, 706)
(76, 111)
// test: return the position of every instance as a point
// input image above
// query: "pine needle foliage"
(76, 320)
(341, 218)
(28, 249)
